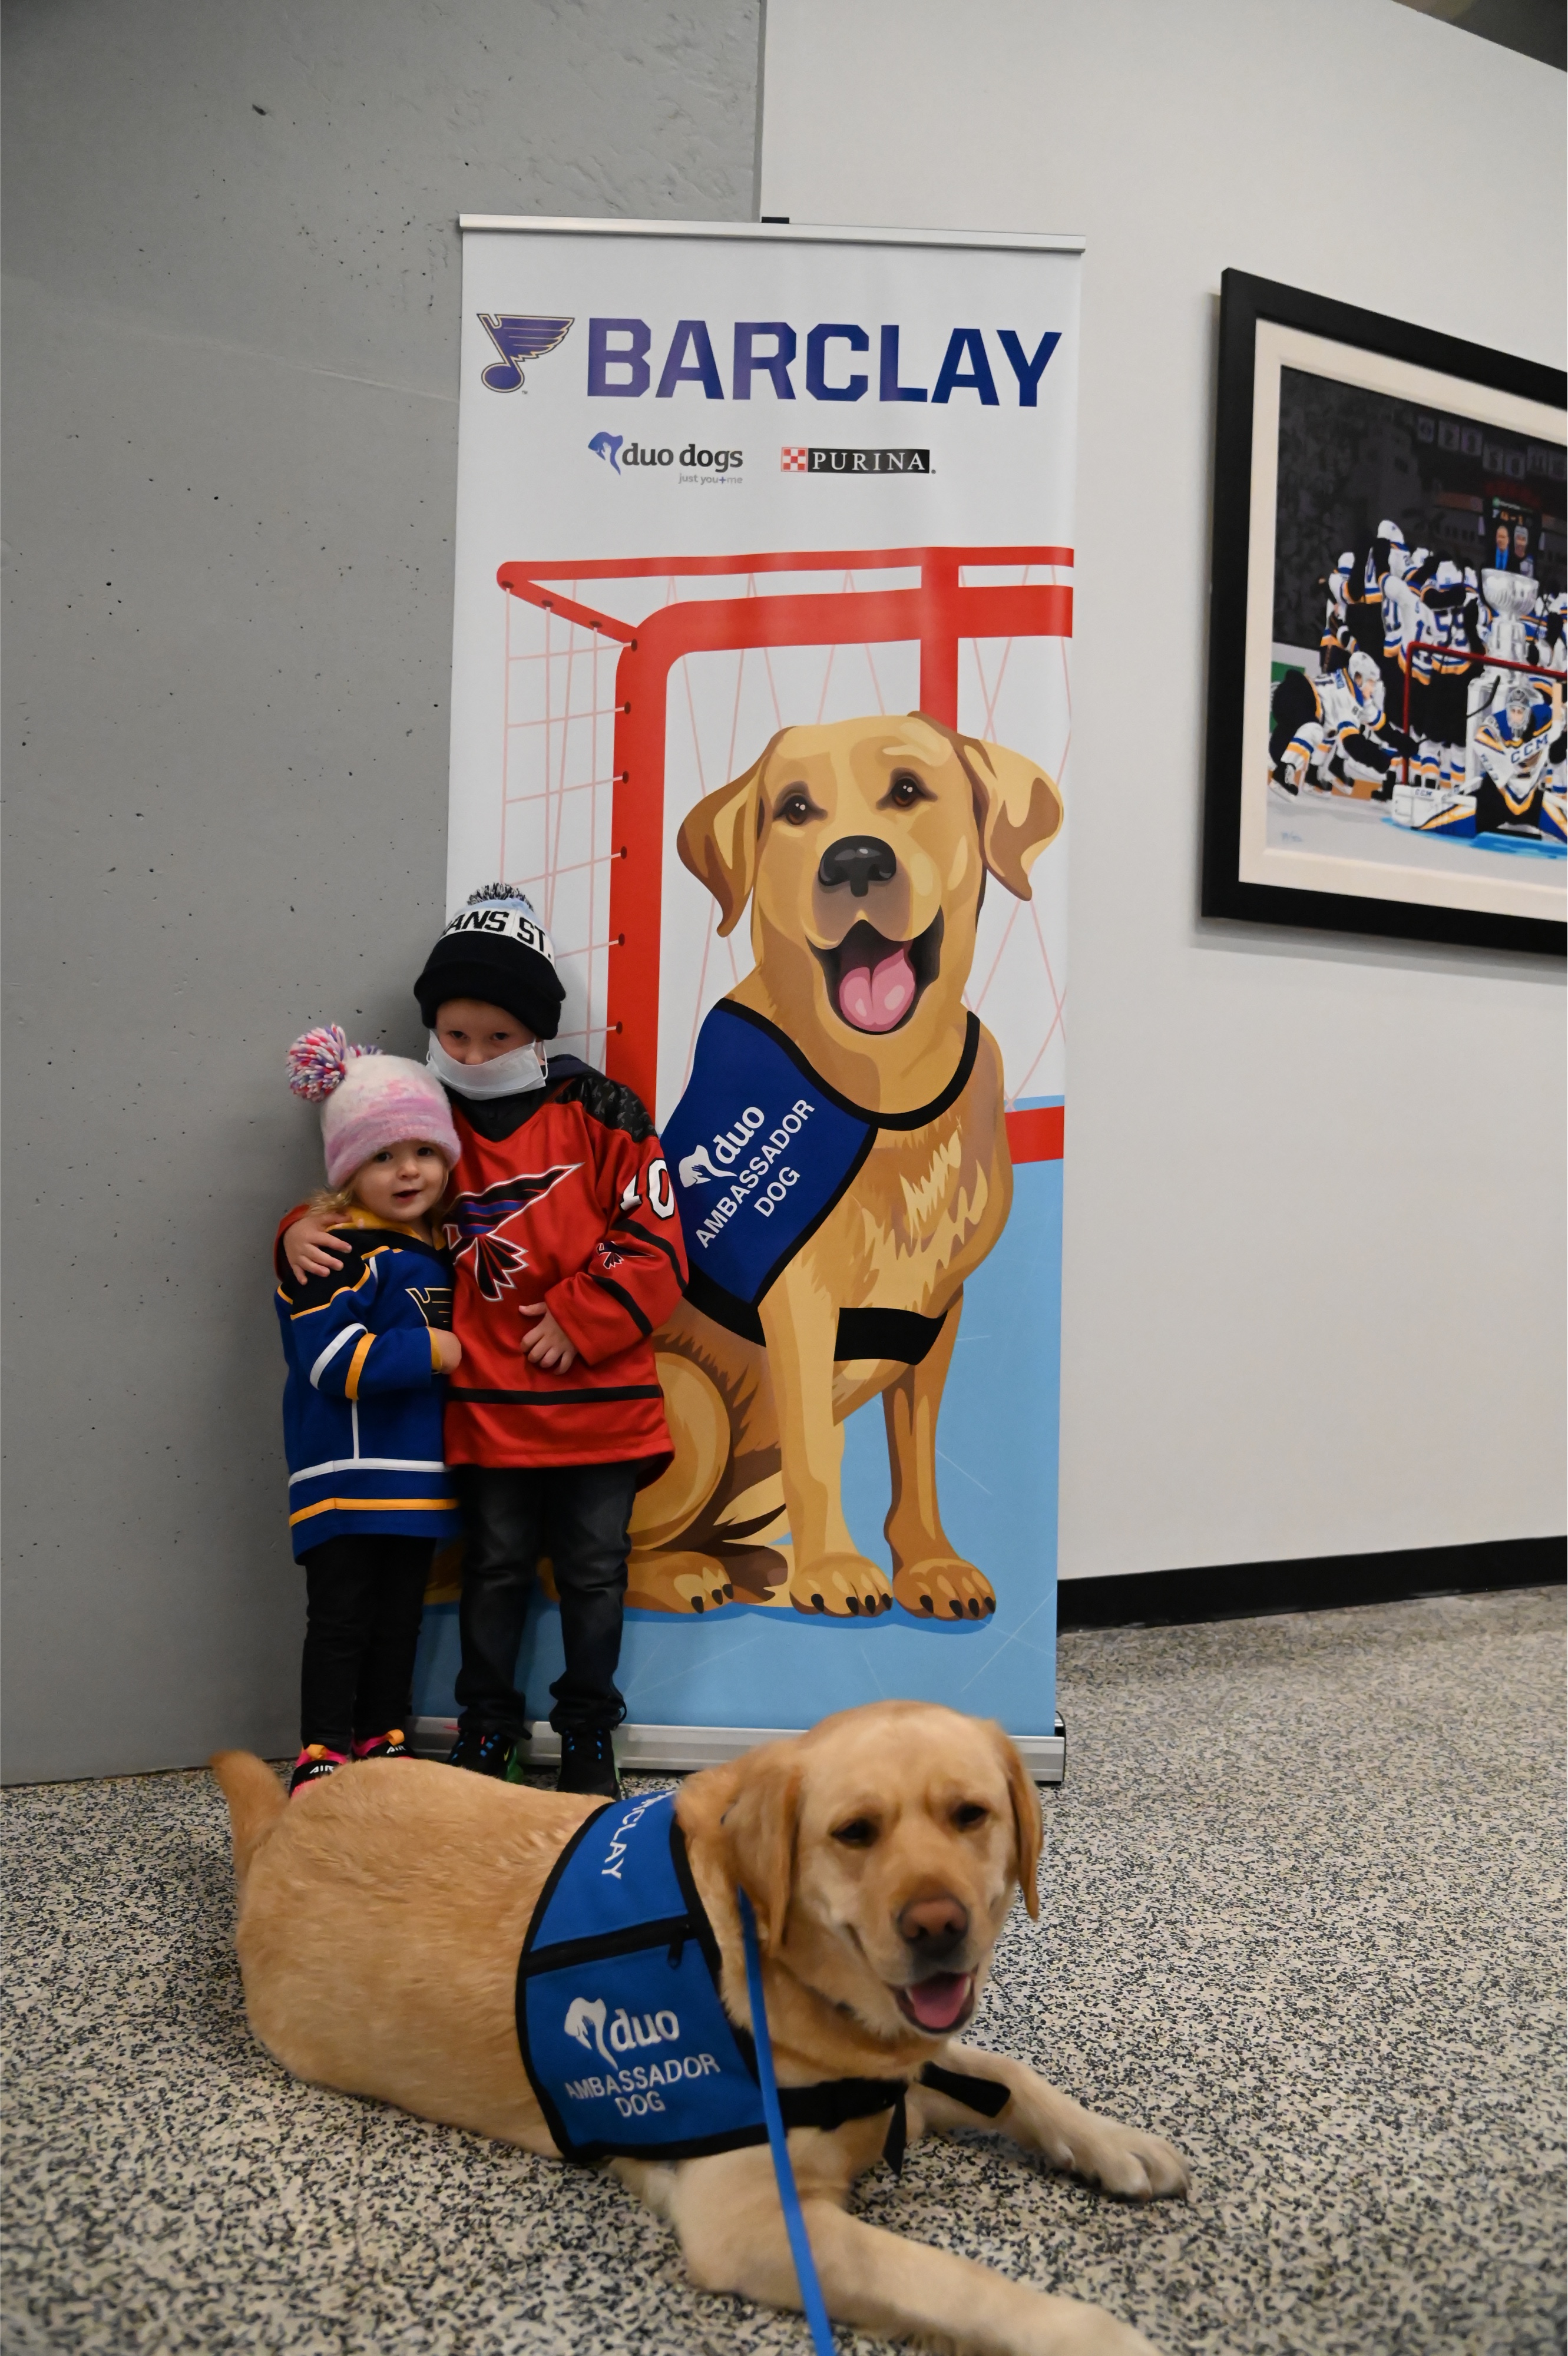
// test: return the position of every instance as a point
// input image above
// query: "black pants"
(364, 1597)
(577, 1515)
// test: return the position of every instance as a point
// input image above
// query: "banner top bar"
(769, 232)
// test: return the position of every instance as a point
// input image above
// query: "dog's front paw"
(1123, 2160)
(843, 1586)
(677, 1582)
(941, 1587)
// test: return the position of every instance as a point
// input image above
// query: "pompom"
(319, 1059)
(513, 893)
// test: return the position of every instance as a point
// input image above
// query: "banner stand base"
(657, 1749)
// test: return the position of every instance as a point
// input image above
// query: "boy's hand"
(547, 1345)
(311, 1248)
(447, 1350)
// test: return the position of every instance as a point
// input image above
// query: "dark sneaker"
(392, 1744)
(588, 1765)
(314, 1763)
(482, 1754)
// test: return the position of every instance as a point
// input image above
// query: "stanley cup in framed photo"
(1387, 650)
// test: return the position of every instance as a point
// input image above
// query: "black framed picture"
(1387, 644)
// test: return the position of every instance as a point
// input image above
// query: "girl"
(367, 1347)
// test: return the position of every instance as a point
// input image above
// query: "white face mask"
(504, 1076)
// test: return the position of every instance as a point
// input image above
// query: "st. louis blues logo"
(517, 339)
(473, 1226)
(434, 1302)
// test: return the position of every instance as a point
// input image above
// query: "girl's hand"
(547, 1345)
(307, 1247)
(447, 1351)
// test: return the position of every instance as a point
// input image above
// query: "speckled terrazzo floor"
(1304, 1916)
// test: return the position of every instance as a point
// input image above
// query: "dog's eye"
(859, 1833)
(968, 1815)
(796, 809)
(906, 792)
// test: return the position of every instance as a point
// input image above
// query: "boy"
(568, 1255)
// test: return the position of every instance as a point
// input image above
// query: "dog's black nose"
(859, 861)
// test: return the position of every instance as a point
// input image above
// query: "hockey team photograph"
(1420, 642)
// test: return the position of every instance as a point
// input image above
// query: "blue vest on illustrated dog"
(761, 1149)
(623, 2036)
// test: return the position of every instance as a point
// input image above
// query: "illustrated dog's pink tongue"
(937, 2003)
(875, 996)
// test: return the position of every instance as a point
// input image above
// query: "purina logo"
(518, 336)
(794, 460)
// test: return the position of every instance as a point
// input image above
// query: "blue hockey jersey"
(362, 1402)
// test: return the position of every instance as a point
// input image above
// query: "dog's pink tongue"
(937, 2003)
(875, 996)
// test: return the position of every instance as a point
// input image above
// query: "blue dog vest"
(761, 1150)
(623, 2036)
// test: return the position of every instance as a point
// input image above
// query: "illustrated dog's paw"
(842, 1586)
(677, 1582)
(942, 1587)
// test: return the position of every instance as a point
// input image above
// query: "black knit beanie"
(495, 949)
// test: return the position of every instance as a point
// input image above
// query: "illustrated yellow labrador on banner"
(841, 1162)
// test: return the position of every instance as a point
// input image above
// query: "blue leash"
(794, 2222)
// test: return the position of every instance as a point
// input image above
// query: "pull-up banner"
(760, 687)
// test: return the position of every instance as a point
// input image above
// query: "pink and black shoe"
(394, 1744)
(314, 1762)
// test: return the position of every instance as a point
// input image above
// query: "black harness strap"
(836, 2101)
(985, 2095)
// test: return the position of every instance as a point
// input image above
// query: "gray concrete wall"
(231, 287)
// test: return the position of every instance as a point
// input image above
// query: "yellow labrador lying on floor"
(382, 1913)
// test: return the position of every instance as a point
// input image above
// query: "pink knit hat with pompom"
(368, 1100)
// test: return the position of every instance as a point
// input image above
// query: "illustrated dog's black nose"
(859, 861)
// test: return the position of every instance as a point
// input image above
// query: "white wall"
(1315, 1261)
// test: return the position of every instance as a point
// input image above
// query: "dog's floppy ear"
(1028, 1829)
(717, 840)
(1016, 807)
(761, 1827)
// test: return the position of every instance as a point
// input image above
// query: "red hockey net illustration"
(634, 686)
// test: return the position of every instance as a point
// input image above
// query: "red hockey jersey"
(573, 1208)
